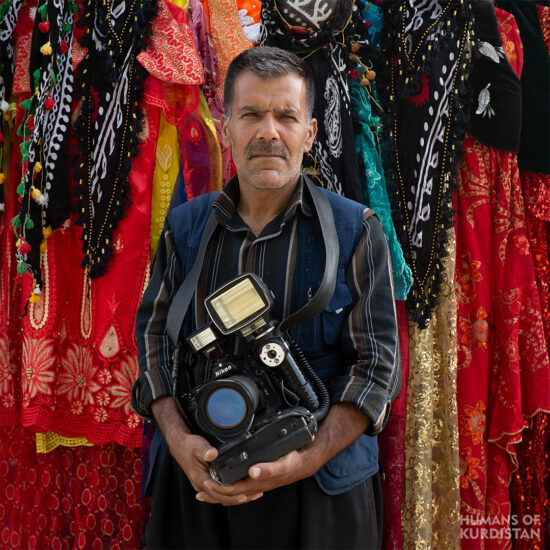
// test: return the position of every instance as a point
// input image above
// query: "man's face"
(268, 129)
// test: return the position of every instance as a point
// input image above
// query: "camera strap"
(315, 305)
(325, 291)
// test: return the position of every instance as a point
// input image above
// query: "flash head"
(242, 304)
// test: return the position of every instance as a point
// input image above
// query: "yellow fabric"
(431, 500)
(184, 4)
(166, 173)
(48, 441)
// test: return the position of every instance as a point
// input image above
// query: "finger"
(205, 453)
(210, 454)
(205, 496)
(245, 487)
(281, 466)
(242, 499)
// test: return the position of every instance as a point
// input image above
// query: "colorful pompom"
(44, 26)
(63, 46)
(35, 193)
(49, 104)
(21, 268)
(46, 49)
(24, 247)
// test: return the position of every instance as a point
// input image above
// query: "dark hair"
(268, 62)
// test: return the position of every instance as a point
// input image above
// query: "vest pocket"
(334, 315)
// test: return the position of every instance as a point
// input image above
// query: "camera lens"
(226, 408)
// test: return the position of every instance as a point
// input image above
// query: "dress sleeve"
(154, 346)
(370, 333)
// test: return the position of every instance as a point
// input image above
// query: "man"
(327, 494)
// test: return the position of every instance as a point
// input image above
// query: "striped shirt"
(371, 380)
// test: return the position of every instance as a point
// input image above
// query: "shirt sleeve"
(370, 334)
(154, 346)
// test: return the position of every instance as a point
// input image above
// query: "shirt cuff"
(373, 402)
(151, 385)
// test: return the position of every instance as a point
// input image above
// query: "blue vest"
(318, 337)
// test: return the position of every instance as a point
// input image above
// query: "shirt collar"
(228, 199)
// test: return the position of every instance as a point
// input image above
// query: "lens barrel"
(226, 406)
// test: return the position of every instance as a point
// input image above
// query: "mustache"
(267, 148)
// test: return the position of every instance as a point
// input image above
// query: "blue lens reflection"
(226, 408)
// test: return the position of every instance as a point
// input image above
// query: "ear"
(311, 133)
(224, 123)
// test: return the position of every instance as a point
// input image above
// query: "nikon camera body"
(260, 404)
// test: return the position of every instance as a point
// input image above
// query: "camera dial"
(272, 354)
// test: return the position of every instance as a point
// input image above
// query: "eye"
(287, 117)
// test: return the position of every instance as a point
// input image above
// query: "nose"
(267, 128)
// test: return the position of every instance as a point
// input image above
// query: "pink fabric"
(392, 445)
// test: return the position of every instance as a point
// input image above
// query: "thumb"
(210, 453)
(205, 452)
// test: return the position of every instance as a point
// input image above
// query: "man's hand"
(342, 426)
(191, 452)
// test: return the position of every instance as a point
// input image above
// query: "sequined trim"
(86, 318)
(49, 441)
(40, 311)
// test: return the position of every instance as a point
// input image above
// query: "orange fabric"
(253, 8)
(227, 34)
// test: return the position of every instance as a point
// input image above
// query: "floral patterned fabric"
(529, 488)
(70, 363)
(503, 370)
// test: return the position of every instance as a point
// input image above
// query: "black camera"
(259, 403)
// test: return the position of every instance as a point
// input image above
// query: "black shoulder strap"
(182, 299)
(332, 252)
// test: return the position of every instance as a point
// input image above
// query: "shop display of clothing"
(433, 113)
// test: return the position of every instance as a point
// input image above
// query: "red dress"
(503, 371)
(529, 488)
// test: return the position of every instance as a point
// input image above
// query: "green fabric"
(373, 183)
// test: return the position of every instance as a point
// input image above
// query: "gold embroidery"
(86, 305)
(227, 34)
(431, 515)
(48, 441)
(110, 345)
(165, 157)
(39, 311)
(166, 173)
